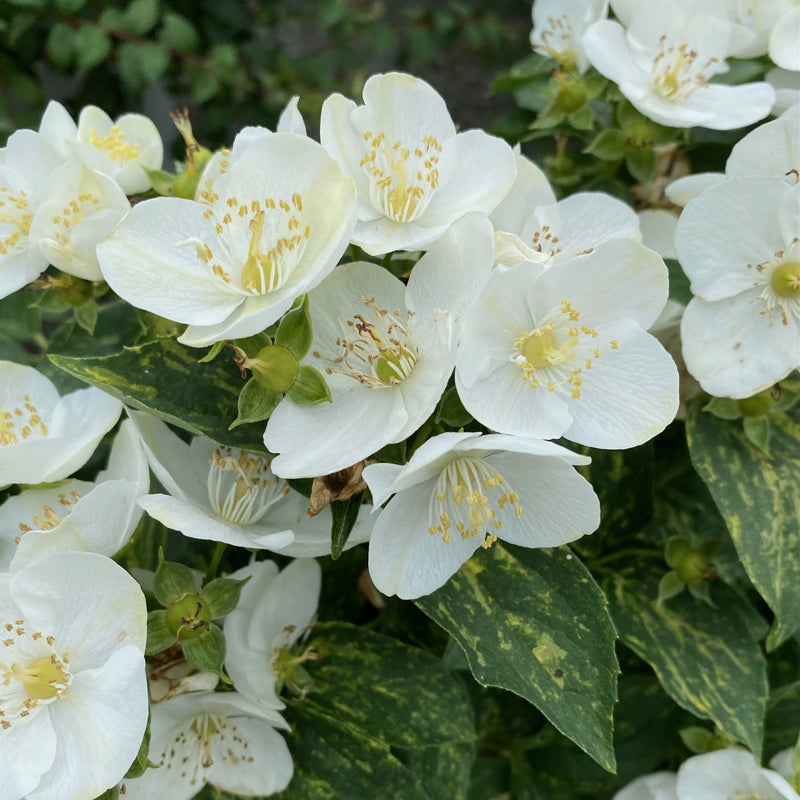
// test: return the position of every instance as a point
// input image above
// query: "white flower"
(26, 163)
(462, 491)
(739, 243)
(97, 516)
(414, 174)
(228, 495)
(219, 738)
(565, 352)
(727, 774)
(664, 61)
(73, 695)
(787, 89)
(787, 764)
(44, 437)
(274, 611)
(771, 150)
(658, 786)
(784, 42)
(82, 207)
(658, 228)
(558, 27)
(273, 225)
(387, 351)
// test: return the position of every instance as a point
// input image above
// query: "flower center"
(84, 205)
(471, 498)
(241, 486)
(543, 352)
(25, 424)
(31, 673)
(382, 352)
(402, 180)
(48, 518)
(785, 280)
(676, 72)
(115, 145)
(14, 226)
(557, 40)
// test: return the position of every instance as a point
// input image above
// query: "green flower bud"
(692, 568)
(189, 617)
(275, 368)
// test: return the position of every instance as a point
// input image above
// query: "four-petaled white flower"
(275, 609)
(657, 786)
(414, 174)
(229, 495)
(739, 244)
(97, 516)
(664, 61)
(44, 437)
(565, 351)
(462, 491)
(558, 27)
(387, 350)
(219, 738)
(273, 225)
(73, 694)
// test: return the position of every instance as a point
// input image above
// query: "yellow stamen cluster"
(382, 352)
(74, 212)
(676, 73)
(115, 145)
(779, 278)
(11, 204)
(471, 498)
(241, 486)
(48, 519)
(21, 424)
(402, 179)
(25, 682)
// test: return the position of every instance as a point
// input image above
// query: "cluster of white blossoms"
(720, 775)
(438, 269)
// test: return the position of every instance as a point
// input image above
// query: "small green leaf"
(222, 595)
(641, 162)
(255, 403)
(70, 6)
(212, 353)
(172, 581)
(86, 315)
(451, 410)
(203, 84)
(92, 47)
(309, 387)
(344, 514)
(723, 407)
(206, 652)
(141, 65)
(294, 331)
(162, 184)
(178, 32)
(61, 45)
(582, 119)
(669, 586)
(608, 145)
(696, 739)
(756, 429)
(141, 16)
(159, 636)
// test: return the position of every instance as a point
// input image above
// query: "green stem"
(631, 551)
(213, 567)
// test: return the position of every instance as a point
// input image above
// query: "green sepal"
(344, 514)
(701, 591)
(222, 595)
(255, 403)
(582, 119)
(641, 162)
(756, 429)
(142, 762)
(172, 581)
(608, 145)
(110, 794)
(669, 586)
(677, 547)
(159, 636)
(252, 344)
(309, 388)
(295, 332)
(213, 352)
(162, 181)
(207, 651)
(696, 739)
(723, 407)
(86, 315)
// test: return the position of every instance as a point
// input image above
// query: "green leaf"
(206, 652)
(178, 32)
(309, 387)
(159, 636)
(162, 184)
(164, 378)
(723, 407)
(608, 145)
(141, 762)
(377, 687)
(758, 498)
(443, 771)
(61, 45)
(757, 429)
(706, 658)
(172, 581)
(92, 47)
(203, 84)
(332, 762)
(141, 65)
(222, 595)
(70, 6)
(451, 410)
(255, 403)
(641, 162)
(295, 332)
(344, 514)
(141, 16)
(86, 315)
(536, 623)
(679, 286)
(670, 585)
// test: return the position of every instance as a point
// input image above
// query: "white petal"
(529, 191)
(28, 752)
(127, 460)
(406, 560)
(784, 42)
(291, 120)
(681, 191)
(733, 350)
(771, 150)
(523, 445)
(658, 228)
(658, 786)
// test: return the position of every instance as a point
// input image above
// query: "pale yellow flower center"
(21, 424)
(15, 219)
(779, 279)
(115, 145)
(676, 72)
